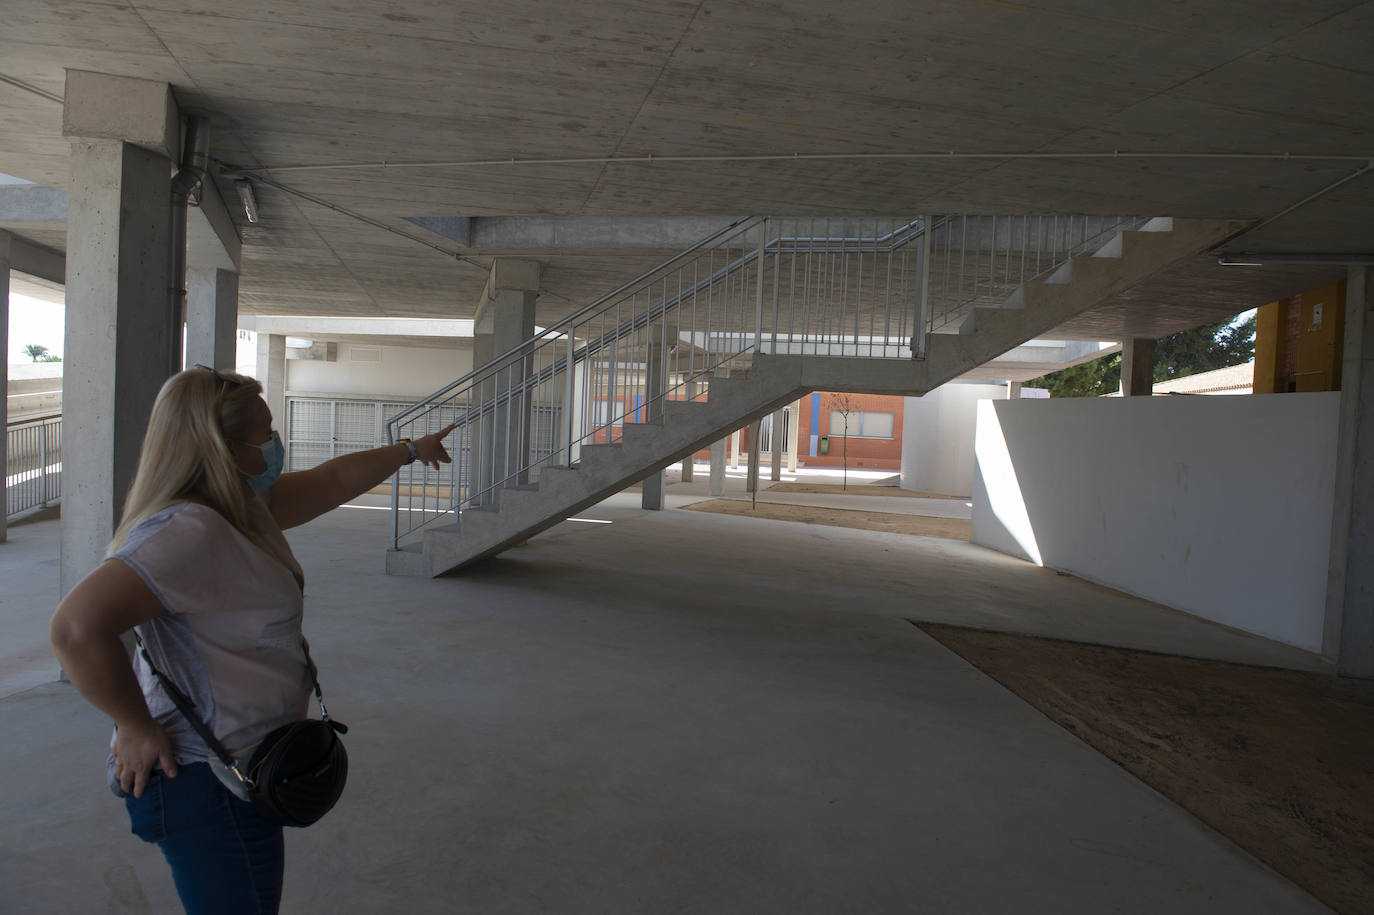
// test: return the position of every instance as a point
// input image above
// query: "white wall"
(409, 372)
(937, 437)
(1220, 506)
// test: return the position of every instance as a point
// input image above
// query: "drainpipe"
(186, 185)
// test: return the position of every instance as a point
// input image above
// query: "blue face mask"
(274, 452)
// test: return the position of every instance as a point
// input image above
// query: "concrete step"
(603, 469)
(1074, 287)
(592, 455)
(683, 410)
(991, 321)
(636, 433)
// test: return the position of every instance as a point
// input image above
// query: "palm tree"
(35, 351)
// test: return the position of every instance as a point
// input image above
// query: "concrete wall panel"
(1217, 506)
(372, 371)
(937, 437)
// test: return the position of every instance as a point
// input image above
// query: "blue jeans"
(225, 858)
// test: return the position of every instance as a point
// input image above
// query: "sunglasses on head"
(230, 383)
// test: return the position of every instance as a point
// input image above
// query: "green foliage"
(1087, 379)
(48, 358)
(1202, 349)
(35, 351)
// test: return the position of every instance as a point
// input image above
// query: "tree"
(35, 351)
(1087, 379)
(844, 405)
(1202, 349)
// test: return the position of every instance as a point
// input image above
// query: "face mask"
(274, 452)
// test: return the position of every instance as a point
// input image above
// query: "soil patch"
(921, 526)
(1281, 762)
(860, 489)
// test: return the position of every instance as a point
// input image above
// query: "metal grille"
(33, 464)
(319, 429)
(766, 433)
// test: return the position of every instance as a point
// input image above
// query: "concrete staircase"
(775, 380)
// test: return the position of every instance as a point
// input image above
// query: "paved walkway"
(673, 711)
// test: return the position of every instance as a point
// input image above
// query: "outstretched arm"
(302, 496)
(85, 633)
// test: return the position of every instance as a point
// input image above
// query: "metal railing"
(868, 288)
(33, 464)
(980, 260)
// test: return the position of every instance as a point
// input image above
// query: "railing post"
(568, 410)
(43, 463)
(395, 497)
(920, 328)
(758, 302)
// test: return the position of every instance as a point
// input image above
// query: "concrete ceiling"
(316, 83)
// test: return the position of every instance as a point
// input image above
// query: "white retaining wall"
(937, 437)
(385, 371)
(1217, 506)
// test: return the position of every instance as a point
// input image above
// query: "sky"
(34, 321)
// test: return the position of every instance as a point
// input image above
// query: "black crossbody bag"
(297, 773)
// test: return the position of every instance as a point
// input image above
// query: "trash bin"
(825, 444)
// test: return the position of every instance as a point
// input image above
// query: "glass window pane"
(877, 425)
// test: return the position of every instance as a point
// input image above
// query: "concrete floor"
(673, 712)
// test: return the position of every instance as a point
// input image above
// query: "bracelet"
(414, 454)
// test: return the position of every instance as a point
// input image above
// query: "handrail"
(571, 320)
(39, 418)
(711, 300)
(802, 286)
(775, 245)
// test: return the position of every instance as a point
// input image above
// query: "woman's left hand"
(430, 450)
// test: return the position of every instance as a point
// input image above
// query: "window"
(861, 424)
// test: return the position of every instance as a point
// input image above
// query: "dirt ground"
(860, 489)
(1281, 762)
(947, 528)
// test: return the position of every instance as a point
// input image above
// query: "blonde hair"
(186, 455)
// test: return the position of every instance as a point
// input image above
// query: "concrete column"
(655, 382)
(718, 468)
(4, 374)
(504, 320)
(212, 313)
(752, 474)
(776, 441)
(272, 375)
(1014, 390)
(1137, 367)
(118, 276)
(734, 450)
(689, 462)
(1270, 332)
(792, 434)
(1348, 638)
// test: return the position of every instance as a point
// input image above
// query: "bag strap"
(188, 710)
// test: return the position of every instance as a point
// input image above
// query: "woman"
(200, 571)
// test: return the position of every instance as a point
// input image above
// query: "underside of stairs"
(771, 381)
